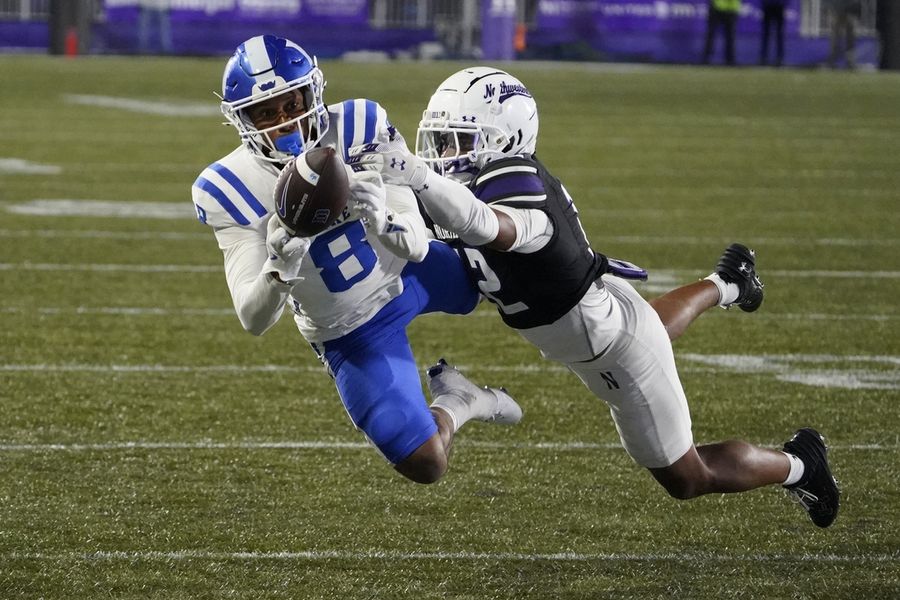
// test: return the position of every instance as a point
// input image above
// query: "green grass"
(164, 453)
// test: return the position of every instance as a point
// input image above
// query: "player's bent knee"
(686, 479)
(681, 490)
(399, 432)
(427, 464)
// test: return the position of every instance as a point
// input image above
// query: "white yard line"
(60, 207)
(105, 267)
(394, 555)
(204, 234)
(133, 311)
(96, 368)
(747, 362)
(26, 167)
(129, 311)
(360, 445)
(660, 274)
(178, 109)
(855, 372)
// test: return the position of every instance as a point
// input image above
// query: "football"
(311, 192)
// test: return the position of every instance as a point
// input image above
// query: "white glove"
(285, 253)
(393, 160)
(369, 204)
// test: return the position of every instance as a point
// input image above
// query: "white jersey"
(347, 277)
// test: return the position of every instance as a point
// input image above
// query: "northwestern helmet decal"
(508, 90)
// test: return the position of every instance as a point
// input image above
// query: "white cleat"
(492, 405)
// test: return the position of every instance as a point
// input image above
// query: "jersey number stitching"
(343, 256)
(489, 283)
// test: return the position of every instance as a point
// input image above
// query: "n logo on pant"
(609, 379)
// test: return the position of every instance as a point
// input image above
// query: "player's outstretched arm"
(449, 204)
(258, 298)
(454, 207)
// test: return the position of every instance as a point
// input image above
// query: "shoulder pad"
(223, 196)
(511, 181)
(360, 121)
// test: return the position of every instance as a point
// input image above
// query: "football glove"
(393, 161)
(285, 253)
(369, 204)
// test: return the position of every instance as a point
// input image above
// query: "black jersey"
(537, 288)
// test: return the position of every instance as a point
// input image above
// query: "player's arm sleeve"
(407, 236)
(258, 298)
(454, 207)
(533, 227)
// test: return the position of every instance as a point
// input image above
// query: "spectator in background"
(773, 18)
(154, 15)
(881, 18)
(844, 16)
(721, 14)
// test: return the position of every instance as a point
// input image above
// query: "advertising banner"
(653, 30)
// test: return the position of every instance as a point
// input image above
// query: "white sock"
(456, 407)
(796, 472)
(728, 292)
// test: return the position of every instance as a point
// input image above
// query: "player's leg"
(440, 282)
(637, 378)
(723, 467)
(733, 282)
(461, 400)
(378, 382)
(737, 466)
(679, 308)
(455, 401)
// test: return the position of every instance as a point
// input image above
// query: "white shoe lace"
(803, 497)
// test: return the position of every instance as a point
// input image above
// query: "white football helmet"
(476, 115)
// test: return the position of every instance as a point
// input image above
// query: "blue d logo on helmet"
(265, 67)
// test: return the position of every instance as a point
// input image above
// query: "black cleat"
(738, 266)
(817, 491)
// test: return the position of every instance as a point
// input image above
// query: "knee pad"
(397, 429)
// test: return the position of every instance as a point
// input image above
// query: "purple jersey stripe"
(512, 184)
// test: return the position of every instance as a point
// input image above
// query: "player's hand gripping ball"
(312, 191)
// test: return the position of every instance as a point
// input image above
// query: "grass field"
(149, 448)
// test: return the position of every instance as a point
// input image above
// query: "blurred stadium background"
(666, 31)
(150, 448)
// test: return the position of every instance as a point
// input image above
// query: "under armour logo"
(466, 119)
(744, 268)
(400, 165)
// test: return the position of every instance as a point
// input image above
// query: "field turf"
(150, 448)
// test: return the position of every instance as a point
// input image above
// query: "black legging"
(727, 21)
(773, 17)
